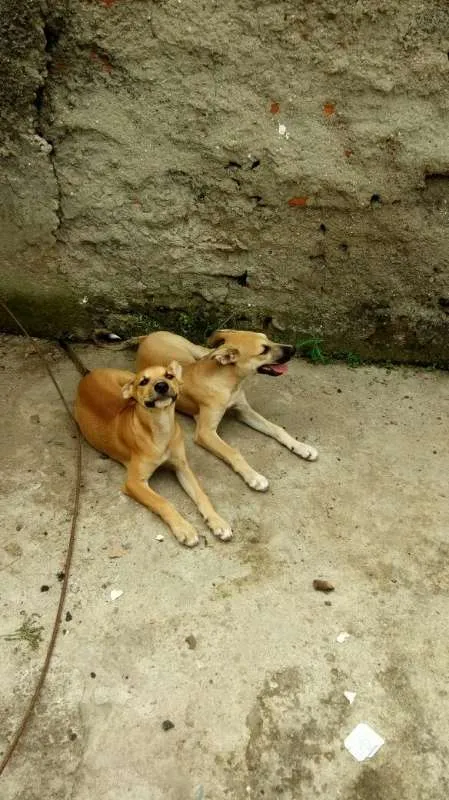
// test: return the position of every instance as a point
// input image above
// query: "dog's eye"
(265, 349)
(169, 376)
(144, 381)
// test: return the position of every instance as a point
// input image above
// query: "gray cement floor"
(229, 641)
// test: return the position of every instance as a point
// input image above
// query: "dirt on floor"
(229, 642)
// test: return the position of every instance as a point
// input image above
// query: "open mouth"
(160, 402)
(273, 369)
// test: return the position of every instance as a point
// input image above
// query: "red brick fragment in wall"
(102, 60)
(298, 202)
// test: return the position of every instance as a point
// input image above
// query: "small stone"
(35, 418)
(323, 586)
(159, 538)
(93, 674)
(167, 725)
(60, 575)
(45, 588)
(191, 641)
(68, 617)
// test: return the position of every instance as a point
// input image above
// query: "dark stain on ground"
(378, 783)
(290, 740)
(254, 553)
(415, 741)
(437, 576)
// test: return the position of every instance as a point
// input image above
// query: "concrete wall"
(185, 163)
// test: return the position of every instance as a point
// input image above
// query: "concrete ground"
(230, 642)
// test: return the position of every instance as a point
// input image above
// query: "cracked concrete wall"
(281, 164)
(28, 196)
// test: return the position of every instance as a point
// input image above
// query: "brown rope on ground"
(68, 560)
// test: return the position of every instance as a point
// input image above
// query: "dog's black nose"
(288, 351)
(161, 387)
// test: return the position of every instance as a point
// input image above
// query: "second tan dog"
(131, 418)
(212, 384)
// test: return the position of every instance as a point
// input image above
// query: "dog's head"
(250, 352)
(154, 387)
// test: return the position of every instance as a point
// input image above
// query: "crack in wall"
(51, 36)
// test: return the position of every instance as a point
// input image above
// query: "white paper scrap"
(116, 593)
(350, 697)
(363, 742)
(342, 637)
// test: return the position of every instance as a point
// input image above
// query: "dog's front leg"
(206, 435)
(189, 483)
(245, 413)
(136, 486)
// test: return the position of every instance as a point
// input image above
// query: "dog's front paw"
(305, 451)
(186, 534)
(222, 530)
(257, 482)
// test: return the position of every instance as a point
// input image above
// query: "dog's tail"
(110, 341)
(82, 369)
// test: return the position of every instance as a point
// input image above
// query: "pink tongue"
(279, 369)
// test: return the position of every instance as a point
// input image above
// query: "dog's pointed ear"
(216, 339)
(225, 355)
(175, 369)
(127, 389)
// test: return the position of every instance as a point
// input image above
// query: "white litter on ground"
(116, 593)
(342, 637)
(350, 697)
(363, 742)
(159, 537)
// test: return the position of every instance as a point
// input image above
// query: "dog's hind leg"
(245, 413)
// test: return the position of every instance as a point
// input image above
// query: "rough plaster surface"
(256, 697)
(278, 160)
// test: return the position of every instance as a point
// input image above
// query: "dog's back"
(162, 347)
(98, 406)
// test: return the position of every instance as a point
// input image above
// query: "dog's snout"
(161, 387)
(288, 351)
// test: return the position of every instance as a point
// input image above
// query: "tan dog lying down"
(132, 419)
(212, 384)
